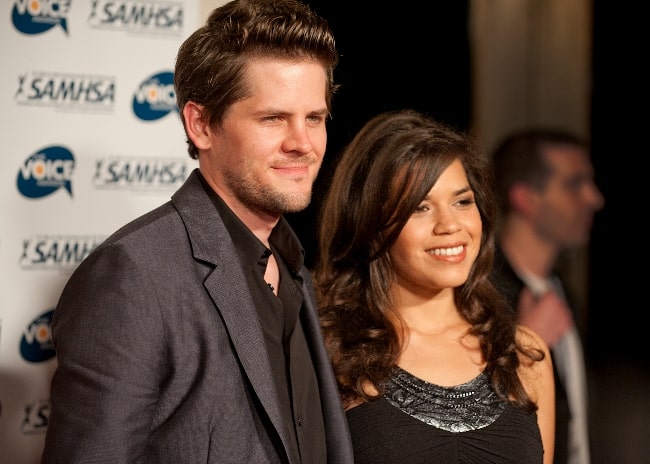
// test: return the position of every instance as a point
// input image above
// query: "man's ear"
(522, 198)
(198, 129)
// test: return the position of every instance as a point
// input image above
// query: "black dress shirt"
(293, 372)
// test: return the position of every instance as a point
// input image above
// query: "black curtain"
(618, 266)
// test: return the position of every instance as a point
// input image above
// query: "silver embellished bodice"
(469, 406)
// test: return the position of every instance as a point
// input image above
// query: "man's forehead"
(569, 160)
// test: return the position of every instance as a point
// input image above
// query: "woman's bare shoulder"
(528, 338)
(535, 374)
(352, 402)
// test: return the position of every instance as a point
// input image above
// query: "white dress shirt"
(569, 360)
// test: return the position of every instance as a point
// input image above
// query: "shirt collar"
(249, 248)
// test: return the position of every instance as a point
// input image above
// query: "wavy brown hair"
(382, 176)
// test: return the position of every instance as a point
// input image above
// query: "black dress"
(417, 422)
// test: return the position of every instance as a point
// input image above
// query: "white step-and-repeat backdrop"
(91, 138)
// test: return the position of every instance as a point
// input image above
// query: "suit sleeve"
(109, 339)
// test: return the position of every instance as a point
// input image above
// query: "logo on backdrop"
(125, 173)
(155, 97)
(36, 344)
(148, 17)
(37, 16)
(57, 252)
(46, 171)
(36, 418)
(69, 92)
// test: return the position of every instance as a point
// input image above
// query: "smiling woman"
(419, 338)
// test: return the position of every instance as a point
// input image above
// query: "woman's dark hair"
(380, 179)
(210, 64)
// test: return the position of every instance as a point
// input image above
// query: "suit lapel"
(211, 243)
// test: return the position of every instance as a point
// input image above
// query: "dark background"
(619, 276)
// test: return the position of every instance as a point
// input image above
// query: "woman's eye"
(466, 201)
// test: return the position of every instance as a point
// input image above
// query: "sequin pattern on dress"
(469, 406)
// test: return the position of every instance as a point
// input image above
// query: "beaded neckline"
(469, 406)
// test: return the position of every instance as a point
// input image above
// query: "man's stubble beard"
(262, 197)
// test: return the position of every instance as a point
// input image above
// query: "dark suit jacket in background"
(157, 335)
(510, 285)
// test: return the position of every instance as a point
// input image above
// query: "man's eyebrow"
(321, 112)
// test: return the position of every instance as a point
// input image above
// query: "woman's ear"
(197, 128)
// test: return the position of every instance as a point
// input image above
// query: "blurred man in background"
(545, 187)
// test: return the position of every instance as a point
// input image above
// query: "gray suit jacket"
(161, 355)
